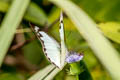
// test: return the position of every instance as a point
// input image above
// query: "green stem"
(77, 77)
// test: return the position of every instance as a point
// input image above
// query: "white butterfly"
(54, 52)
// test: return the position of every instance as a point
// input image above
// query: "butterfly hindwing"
(50, 46)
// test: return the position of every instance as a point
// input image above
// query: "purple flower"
(73, 57)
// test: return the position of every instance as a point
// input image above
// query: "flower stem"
(85, 75)
(80, 70)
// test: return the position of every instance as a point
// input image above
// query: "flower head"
(73, 57)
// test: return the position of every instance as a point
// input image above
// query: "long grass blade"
(47, 73)
(9, 25)
(102, 48)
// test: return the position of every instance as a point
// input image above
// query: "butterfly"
(54, 52)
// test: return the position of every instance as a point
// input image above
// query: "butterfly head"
(74, 57)
(34, 28)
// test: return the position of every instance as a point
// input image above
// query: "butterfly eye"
(73, 57)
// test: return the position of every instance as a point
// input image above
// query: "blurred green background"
(24, 55)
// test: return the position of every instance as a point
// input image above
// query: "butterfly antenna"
(32, 26)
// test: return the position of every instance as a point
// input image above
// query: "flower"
(74, 57)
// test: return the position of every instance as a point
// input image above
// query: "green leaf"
(34, 54)
(103, 49)
(11, 76)
(47, 73)
(3, 6)
(85, 75)
(36, 15)
(9, 25)
(33, 13)
(101, 10)
(111, 30)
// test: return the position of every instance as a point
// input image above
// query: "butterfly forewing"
(50, 46)
(62, 45)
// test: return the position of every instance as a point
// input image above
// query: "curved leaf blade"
(88, 29)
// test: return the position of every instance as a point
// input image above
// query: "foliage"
(91, 27)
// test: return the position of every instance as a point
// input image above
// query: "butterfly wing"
(62, 45)
(50, 46)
